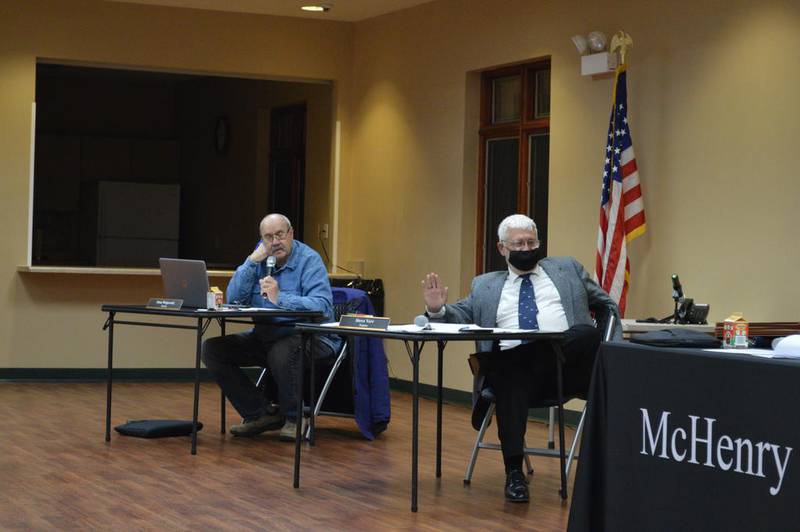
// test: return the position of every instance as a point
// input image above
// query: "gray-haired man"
(552, 294)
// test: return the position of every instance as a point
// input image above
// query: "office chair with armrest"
(606, 322)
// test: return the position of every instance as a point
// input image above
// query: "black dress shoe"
(481, 406)
(517, 487)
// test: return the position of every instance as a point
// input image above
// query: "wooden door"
(287, 159)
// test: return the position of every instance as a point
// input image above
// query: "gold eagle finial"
(621, 41)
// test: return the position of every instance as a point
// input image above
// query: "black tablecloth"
(642, 399)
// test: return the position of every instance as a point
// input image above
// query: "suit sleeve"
(462, 311)
(599, 300)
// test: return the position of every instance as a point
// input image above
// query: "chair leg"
(261, 377)
(574, 446)
(342, 356)
(258, 385)
(474, 458)
(528, 466)
(551, 443)
(222, 412)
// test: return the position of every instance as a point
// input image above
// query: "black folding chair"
(607, 322)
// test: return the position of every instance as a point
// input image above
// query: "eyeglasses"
(280, 235)
(516, 245)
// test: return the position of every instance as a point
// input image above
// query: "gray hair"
(515, 221)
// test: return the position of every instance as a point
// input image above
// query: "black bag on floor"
(157, 428)
(677, 338)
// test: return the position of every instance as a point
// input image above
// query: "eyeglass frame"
(270, 238)
(517, 245)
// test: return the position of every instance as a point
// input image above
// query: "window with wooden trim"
(514, 153)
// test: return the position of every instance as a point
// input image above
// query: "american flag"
(621, 206)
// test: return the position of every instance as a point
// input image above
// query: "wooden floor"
(57, 472)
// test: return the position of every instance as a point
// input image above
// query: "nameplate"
(161, 303)
(358, 321)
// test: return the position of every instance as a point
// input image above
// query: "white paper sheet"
(240, 309)
(452, 328)
(445, 328)
(764, 353)
(789, 347)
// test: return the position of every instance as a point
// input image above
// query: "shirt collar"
(512, 277)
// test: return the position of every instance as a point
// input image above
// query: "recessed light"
(321, 8)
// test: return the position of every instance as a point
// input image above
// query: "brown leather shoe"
(289, 430)
(257, 426)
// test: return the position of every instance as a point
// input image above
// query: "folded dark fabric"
(157, 428)
(676, 338)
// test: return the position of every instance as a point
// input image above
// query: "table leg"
(221, 393)
(560, 383)
(195, 408)
(312, 383)
(415, 425)
(304, 337)
(110, 326)
(440, 344)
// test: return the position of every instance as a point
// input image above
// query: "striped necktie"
(527, 304)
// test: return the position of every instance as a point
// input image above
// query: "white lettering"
(695, 440)
(675, 455)
(781, 466)
(761, 448)
(647, 433)
(741, 442)
(740, 455)
(726, 447)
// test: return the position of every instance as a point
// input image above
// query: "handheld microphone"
(270, 265)
(422, 322)
(677, 289)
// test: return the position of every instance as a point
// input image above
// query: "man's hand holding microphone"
(269, 286)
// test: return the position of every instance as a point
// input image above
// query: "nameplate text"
(162, 303)
(358, 321)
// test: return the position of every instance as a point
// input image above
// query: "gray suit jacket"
(579, 294)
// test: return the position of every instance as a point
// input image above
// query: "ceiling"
(342, 10)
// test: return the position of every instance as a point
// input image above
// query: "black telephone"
(689, 312)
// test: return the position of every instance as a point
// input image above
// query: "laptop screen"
(185, 279)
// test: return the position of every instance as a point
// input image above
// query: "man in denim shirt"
(299, 281)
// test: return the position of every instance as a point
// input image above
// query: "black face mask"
(525, 260)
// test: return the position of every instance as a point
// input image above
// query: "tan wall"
(714, 122)
(54, 320)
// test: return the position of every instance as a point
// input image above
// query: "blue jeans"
(224, 356)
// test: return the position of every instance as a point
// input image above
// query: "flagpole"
(622, 215)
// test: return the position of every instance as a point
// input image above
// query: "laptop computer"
(185, 279)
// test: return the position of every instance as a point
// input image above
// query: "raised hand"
(434, 292)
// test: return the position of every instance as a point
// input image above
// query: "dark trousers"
(525, 377)
(224, 356)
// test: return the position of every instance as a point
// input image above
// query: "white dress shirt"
(551, 316)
